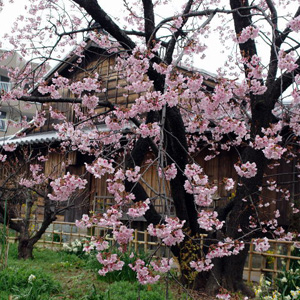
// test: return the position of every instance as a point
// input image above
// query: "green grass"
(61, 276)
(66, 272)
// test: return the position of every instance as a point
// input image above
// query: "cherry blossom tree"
(25, 187)
(251, 109)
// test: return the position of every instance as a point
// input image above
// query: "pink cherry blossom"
(110, 263)
(100, 167)
(123, 235)
(246, 170)
(144, 274)
(229, 184)
(3, 157)
(9, 147)
(65, 186)
(295, 24)
(169, 172)
(139, 209)
(261, 245)
(162, 265)
(208, 220)
(223, 296)
(202, 265)
(273, 151)
(247, 33)
(287, 61)
(170, 233)
(133, 175)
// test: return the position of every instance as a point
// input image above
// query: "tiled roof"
(36, 138)
(48, 136)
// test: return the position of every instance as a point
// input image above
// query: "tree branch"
(149, 20)
(43, 100)
(172, 42)
(99, 15)
(242, 19)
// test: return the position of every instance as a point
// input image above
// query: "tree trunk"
(228, 273)
(25, 248)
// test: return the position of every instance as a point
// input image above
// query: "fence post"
(136, 241)
(289, 253)
(61, 234)
(275, 261)
(263, 264)
(250, 262)
(145, 241)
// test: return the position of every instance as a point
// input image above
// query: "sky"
(213, 60)
(12, 10)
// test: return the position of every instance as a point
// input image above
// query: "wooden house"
(96, 197)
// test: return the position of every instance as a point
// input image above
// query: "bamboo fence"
(275, 260)
(59, 233)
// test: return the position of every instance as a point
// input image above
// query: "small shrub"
(126, 274)
(56, 237)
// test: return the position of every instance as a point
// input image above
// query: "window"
(2, 120)
(5, 85)
(4, 78)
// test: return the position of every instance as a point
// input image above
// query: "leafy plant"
(286, 287)
(295, 263)
(289, 282)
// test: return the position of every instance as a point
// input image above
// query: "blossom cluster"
(110, 262)
(38, 177)
(100, 167)
(287, 61)
(197, 185)
(139, 209)
(65, 186)
(208, 220)
(169, 172)
(247, 33)
(227, 248)
(143, 273)
(261, 245)
(202, 265)
(246, 170)
(170, 232)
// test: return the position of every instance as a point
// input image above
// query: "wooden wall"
(217, 169)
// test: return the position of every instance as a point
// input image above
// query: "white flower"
(31, 278)
(67, 248)
(77, 242)
(283, 279)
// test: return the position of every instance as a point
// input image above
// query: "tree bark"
(228, 273)
(25, 248)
